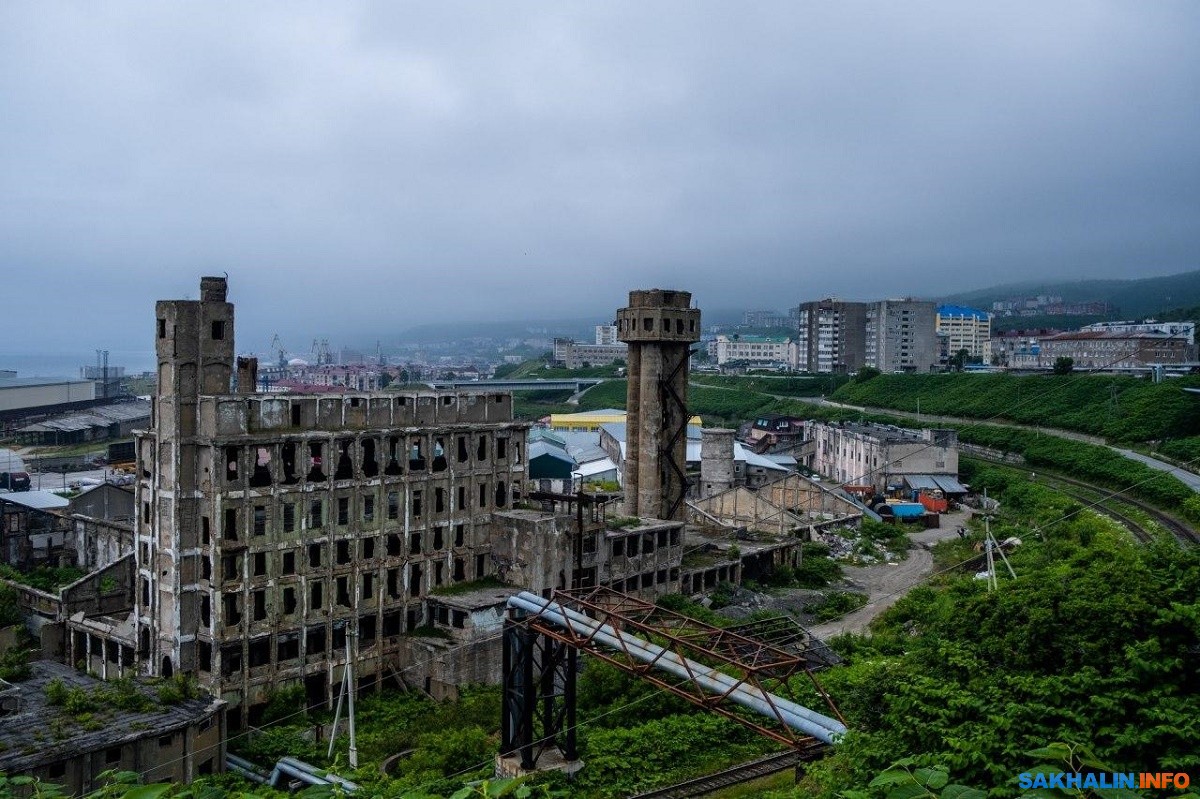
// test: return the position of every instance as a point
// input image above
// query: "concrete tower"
(716, 461)
(195, 357)
(659, 326)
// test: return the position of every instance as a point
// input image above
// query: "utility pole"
(347, 692)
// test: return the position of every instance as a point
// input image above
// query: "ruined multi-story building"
(270, 527)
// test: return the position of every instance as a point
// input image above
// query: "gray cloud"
(361, 167)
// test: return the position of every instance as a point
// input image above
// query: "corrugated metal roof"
(949, 484)
(921, 482)
(539, 448)
(38, 500)
(594, 468)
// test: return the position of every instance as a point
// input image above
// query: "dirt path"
(885, 583)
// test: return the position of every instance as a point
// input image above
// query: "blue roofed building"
(967, 329)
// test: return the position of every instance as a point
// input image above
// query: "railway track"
(1071, 487)
(744, 772)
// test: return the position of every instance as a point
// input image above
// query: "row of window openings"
(317, 642)
(648, 325)
(231, 564)
(231, 603)
(261, 472)
(316, 511)
(647, 580)
(644, 544)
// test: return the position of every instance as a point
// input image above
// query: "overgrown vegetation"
(43, 578)
(1090, 643)
(1123, 409)
(836, 604)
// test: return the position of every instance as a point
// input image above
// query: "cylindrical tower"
(659, 326)
(716, 461)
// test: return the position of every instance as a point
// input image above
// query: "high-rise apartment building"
(901, 336)
(831, 335)
(965, 329)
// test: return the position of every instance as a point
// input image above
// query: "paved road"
(1190, 479)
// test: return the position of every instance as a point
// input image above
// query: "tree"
(1064, 365)
(865, 373)
(959, 359)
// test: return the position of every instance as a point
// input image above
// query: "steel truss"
(532, 640)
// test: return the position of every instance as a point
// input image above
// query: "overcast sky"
(358, 168)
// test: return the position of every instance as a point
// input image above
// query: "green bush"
(836, 604)
(816, 568)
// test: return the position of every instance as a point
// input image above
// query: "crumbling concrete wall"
(532, 549)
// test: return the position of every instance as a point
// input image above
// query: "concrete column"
(716, 461)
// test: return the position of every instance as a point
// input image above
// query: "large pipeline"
(791, 714)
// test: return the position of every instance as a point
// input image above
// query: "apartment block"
(901, 336)
(831, 336)
(965, 329)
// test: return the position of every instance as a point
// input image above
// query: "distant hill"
(1151, 296)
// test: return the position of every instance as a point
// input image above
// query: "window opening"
(393, 466)
(345, 465)
(416, 458)
(288, 457)
(316, 472)
(231, 464)
(261, 476)
(370, 466)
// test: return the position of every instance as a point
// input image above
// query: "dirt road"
(885, 583)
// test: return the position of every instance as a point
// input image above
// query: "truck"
(14, 481)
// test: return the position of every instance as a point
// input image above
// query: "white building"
(757, 350)
(877, 455)
(606, 336)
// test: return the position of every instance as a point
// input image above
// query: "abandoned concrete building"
(271, 530)
(270, 527)
(163, 742)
